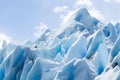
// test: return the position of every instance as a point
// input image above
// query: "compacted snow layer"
(82, 49)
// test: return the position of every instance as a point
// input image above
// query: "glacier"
(83, 48)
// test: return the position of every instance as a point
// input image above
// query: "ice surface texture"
(82, 49)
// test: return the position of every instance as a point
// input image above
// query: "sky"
(23, 19)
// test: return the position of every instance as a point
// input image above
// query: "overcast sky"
(22, 19)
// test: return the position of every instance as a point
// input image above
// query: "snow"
(76, 50)
(115, 50)
(28, 65)
(112, 74)
(76, 69)
(97, 39)
(35, 72)
(110, 32)
(100, 59)
(81, 49)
